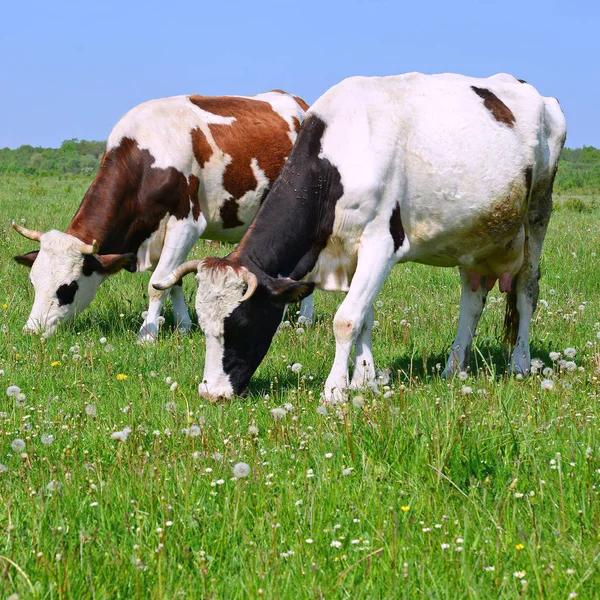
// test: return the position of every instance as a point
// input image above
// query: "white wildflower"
(570, 352)
(296, 368)
(90, 410)
(47, 439)
(466, 390)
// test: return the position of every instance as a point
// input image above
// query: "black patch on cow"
(396, 228)
(521, 81)
(66, 293)
(285, 239)
(296, 219)
(499, 110)
(229, 214)
(109, 264)
(27, 259)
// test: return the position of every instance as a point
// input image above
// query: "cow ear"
(27, 259)
(287, 291)
(109, 264)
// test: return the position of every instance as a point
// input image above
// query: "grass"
(421, 490)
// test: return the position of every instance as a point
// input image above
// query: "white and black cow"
(444, 170)
(175, 169)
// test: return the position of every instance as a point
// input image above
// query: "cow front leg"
(375, 259)
(180, 238)
(307, 309)
(471, 307)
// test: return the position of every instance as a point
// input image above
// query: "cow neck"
(296, 219)
(87, 225)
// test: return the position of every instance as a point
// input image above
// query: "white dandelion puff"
(241, 470)
(296, 368)
(47, 439)
(547, 385)
(18, 445)
(12, 391)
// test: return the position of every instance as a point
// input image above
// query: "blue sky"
(71, 69)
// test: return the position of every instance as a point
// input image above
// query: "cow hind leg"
(471, 307)
(180, 238)
(527, 286)
(364, 367)
(375, 260)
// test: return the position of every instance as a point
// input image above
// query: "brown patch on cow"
(301, 103)
(193, 187)
(278, 91)
(258, 132)
(499, 110)
(229, 214)
(128, 199)
(297, 124)
(201, 147)
(217, 264)
(396, 229)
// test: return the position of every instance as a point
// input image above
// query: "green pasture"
(485, 487)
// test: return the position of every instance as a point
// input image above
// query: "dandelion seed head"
(241, 470)
(18, 445)
(547, 385)
(47, 439)
(12, 391)
(296, 368)
(90, 410)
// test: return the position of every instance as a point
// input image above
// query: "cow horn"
(252, 282)
(30, 234)
(176, 274)
(89, 248)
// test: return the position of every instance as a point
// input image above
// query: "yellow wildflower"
(121, 377)
(55, 363)
(405, 508)
(519, 546)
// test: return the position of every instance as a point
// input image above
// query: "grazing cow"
(444, 170)
(174, 170)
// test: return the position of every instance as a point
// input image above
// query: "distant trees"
(579, 170)
(78, 157)
(578, 173)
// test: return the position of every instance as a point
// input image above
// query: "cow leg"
(182, 317)
(471, 307)
(364, 367)
(307, 308)
(180, 238)
(374, 263)
(527, 286)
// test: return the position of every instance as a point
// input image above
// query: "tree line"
(579, 169)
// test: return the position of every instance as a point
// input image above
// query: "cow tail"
(511, 316)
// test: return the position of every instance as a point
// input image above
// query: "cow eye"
(66, 293)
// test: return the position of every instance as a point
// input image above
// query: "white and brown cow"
(444, 170)
(175, 169)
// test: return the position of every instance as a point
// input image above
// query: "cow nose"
(214, 396)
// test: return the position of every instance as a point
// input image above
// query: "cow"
(444, 170)
(175, 170)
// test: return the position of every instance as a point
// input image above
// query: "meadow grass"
(483, 487)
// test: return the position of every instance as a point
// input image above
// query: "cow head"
(65, 273)
(239, 311)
